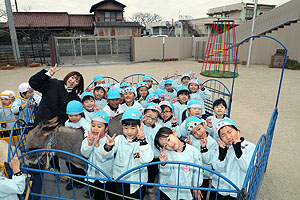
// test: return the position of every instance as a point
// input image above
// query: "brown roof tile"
(81, 21)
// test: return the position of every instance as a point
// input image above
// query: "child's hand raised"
(110, 141)
(176, 75)
(201, 86)
(168, 98)
(238, 137)
(163, 156)
(174, 119)
(141, 134)
(166, 77)
(174, 100)
(188, 140)
(221, 143)
(209, 122)
(203, 141)
(90, 138)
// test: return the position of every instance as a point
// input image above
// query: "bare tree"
(144, 18)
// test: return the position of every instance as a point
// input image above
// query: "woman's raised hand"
(53, 70)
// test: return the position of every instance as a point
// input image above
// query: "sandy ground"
(253, 102)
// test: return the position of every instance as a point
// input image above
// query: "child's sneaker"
(151, 194)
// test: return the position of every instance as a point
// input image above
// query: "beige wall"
(264, 48)
(147, 48)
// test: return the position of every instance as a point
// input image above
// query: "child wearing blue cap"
(99, 93)
(232, 158)
(113, 107)
(89, 105)
(174, 149)
(142, 93)
(130, 102)
(161, 94)
(169, 86)
(167, 118)
(183, 95)
(204, 143)
(219, 109)
(148, 79)
(130, 150)
(90, 149)
(198, 91)
(76, 117)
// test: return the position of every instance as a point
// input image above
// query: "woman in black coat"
(56, 94)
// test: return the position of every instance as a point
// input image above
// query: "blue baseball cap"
(194, 103)
(113, 93)
(151, 97)
(166, 103)
(98, 78)
(153, 106)
(169, 81)
(183, 88)
(101, 116)
(74, 108)
(224, 122)
(192, 122)
(132, 113)
(85, 94)
(160, 92)
(147, 78)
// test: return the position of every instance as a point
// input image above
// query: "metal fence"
(95, 49)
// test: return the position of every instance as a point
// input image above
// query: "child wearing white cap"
(232, 158)
(130, 102)
(31, 99)
(7, 118)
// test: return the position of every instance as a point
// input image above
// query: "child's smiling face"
(193, 87)
(130, 131)
(99, 93)
(199, 131)
(5, 102)
(98, 128)
(185, 80)
(129, 97)
(171, 142)
(143, 91)
(166, 113)
(195, 111)
(220, 110)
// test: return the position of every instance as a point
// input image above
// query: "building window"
(155, 30)
(110, 16)
(249, 13)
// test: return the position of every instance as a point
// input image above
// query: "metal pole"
(12, 30)
(252, 30)
(163, 49)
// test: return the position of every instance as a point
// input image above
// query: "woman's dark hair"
(131, 122)
(235, 128)
(138, 95)
(80, 87)
(163, 132)
(218, 102)
(183, 92)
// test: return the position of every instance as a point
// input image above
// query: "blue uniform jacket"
(9, 188)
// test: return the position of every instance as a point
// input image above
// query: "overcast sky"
(168, 9)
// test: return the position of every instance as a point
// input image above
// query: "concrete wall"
(264, 48)
(147, 48)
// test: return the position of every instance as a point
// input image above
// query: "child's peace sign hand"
(174, 119)
(176, 75)
(203, 141)
(110, 141)
(97, 138)
(209, 122)
(141, 134)
(166, 77)
(90, 138)
(168, 98)
(221, 143)
(162, 156)
(174, 100)
(188, 140)
(53, 70)
(201, 85)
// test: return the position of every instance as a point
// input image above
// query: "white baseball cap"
(8, 92)
(24, 87)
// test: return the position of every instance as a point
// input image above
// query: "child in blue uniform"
(130, 102)
(10, 188)
(131, 150)
(167, 118)
(91, 149)
(142, 93)
(185, 78)
(7, 117)
(99, 93)
(205, 144)
(169, 88)
(151, 126)
(220, 109)
(232, 158)
(198, 91)
(161, 94)
(149, 81)
(75, 114)
(19, 105)
(183, 95)
(89, 105)
(174, 149)
(113, 107)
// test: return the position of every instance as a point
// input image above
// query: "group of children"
(166, 124)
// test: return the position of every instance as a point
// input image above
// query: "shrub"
(292, 64)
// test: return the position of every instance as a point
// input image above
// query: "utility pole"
(252, 30)
(12, 30)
